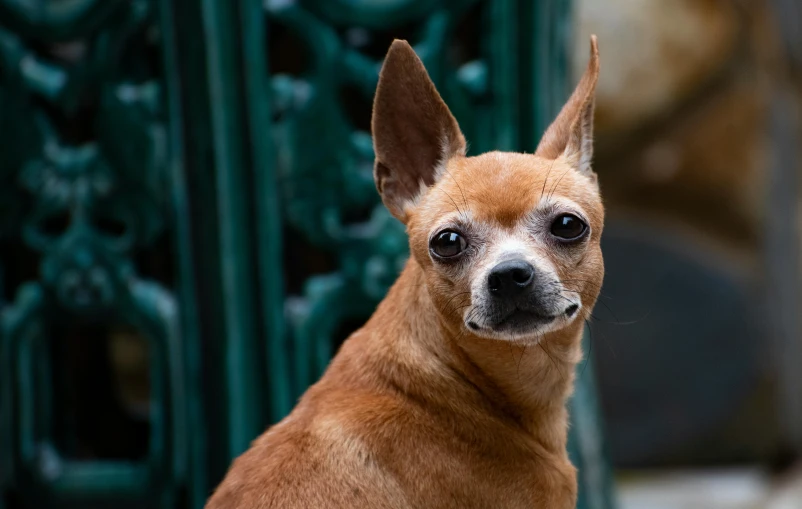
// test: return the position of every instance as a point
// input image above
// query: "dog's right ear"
(414, 133)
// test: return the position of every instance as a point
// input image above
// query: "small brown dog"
(453, 394)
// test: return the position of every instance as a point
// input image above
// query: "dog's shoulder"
(317, 457)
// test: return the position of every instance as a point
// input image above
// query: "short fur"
(417, 410)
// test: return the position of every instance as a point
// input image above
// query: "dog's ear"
(414, 133)
(571, 134)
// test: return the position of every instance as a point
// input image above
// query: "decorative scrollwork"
(88, 201)
(83, 183)
(325, 158)
(503, 84)
(53, 20)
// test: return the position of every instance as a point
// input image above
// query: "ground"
(747, 488)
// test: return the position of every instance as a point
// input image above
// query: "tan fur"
(416, 411)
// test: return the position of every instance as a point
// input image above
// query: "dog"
(453, 394)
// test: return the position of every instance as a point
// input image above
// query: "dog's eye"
(568, 227)
(447, 244)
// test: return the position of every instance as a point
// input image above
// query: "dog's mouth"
(522, 321)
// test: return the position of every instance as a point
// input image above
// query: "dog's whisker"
(546, 179)
(464, 200)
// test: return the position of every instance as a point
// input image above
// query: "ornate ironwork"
(502, 68)
(230, 141)
(84, 191)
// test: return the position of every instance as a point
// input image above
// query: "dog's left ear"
(414, 133)
(571, 134)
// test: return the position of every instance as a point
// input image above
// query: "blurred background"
(189, 229)
(698, 342)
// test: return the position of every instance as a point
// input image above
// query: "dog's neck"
(525, 383)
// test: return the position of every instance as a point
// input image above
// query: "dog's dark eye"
(447, 244)
(568, 227)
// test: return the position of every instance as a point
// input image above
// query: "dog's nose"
(510, 278)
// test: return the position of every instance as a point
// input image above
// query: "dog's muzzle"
(520, 299)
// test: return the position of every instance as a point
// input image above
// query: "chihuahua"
(453, 394)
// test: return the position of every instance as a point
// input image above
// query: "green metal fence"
(189, 226)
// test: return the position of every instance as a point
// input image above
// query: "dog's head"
(508, 242)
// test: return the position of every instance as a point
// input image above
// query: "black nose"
(510, 278)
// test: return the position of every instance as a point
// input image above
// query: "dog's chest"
(486, 473)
